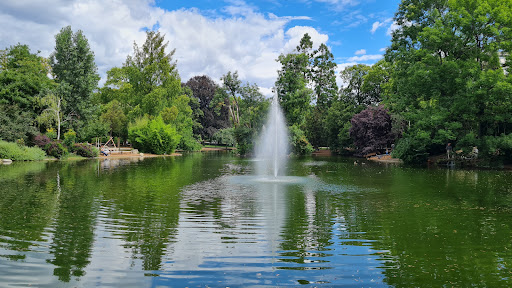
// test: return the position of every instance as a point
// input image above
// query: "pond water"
(201, 220)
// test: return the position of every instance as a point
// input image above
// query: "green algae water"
(203, 220)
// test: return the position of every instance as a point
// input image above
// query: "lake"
(202, 220)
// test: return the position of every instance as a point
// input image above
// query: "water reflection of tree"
(441, 230)
(27, 203)
(308, 228)
(145, 204)
(75, 221)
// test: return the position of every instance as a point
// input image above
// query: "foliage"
(23, 76)
(94, 128)
(52, 113)
(204, 89)
(354, 77)
(499, 148)
(56, 149)
(225, 137)
(371, 129)
(292, 91)
(338, 124)
(51, 133)
(16, 123)
(153, 136)
(298, 141)
(15, 152)
(84, 150)
(69, 138)
(412, 149)
(449, 80)
(41, 140)
(247, 109)
(114, 116)
(73, 65)
(244, 140)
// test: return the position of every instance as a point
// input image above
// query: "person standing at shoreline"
(449, 150)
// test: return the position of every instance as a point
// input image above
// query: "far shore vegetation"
(445, 78)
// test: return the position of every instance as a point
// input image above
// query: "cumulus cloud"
(360, 52)
(364, 58)
(245, 40)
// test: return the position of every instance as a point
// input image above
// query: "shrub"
(69, 138)
(13, 151)
(55, 149)
(299, 143)
(84, 150)
(51, 133)
(153, 136)
(189, 143)
(244, 140)
(225, 136)
(41, 140)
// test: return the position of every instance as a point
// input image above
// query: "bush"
(244, 140)
(189, 143)
(55, 149)
(69, 138)
(84, 150)
(13, 151)
(41, 140)
(153, 136)
(299, 142)
(225, 137)
(412, 148)
(51, 133)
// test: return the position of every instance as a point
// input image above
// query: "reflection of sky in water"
(242, 240)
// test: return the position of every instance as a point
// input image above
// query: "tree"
(449, 79)
(115, 118)
(231, 89)
(23, 76)
(294, 96)
(148, 86)
(324, 77)
(354, 77)
(371, 129)
(204, 89)
(73, 65)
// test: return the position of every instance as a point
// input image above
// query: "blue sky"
(349, 24)
(210, 37)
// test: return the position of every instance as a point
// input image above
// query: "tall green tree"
(148, 86)
(23, 76)
(449, 78)
(73, 65)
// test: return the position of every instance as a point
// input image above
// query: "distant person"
(475, 152)
(449, 150)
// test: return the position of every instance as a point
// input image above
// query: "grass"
(15, 152)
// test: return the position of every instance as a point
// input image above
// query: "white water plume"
(272, 147)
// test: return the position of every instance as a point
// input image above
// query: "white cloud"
(364, 58)
(360, 52)
(392, 28)
(247, 41)
(376, 25)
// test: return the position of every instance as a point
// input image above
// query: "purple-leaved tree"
(371, 129)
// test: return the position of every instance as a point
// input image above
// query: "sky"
(211, 37)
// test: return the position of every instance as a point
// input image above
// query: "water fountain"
(272, 148)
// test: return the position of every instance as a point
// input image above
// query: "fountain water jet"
(272, 148)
